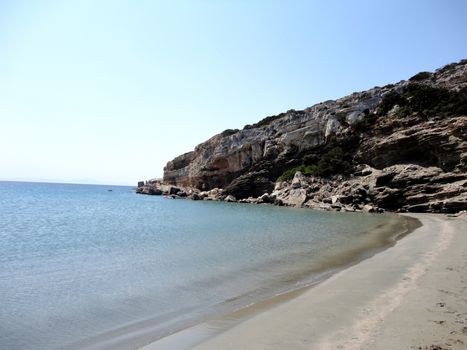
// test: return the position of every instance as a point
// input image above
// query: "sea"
(101, 267)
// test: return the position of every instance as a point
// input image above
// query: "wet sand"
(410, 296)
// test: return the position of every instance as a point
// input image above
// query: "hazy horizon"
(108, 92)
(67, 182)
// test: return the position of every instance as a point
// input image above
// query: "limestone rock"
(266, 198)
(230, 198)
(298, 180)
(279, 185)
(296, 198)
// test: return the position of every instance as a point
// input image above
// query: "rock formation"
(397, 147)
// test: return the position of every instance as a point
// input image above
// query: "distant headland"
(401, 147)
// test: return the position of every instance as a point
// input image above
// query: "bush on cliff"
(264, 122)
(430, 101)
(228, 132)
(366, 123)
(333, 162)
(420, 76)
(389, 101)
(304, 169)
(330, 163)
(423, 100)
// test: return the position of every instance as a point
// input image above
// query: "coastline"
(407, 296)
(185, 333)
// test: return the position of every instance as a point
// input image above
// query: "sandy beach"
(410, 296)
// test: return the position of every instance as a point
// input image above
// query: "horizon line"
(65, 182)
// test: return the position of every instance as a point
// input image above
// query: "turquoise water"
(80, 264)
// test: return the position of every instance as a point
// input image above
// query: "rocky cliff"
(410, 136)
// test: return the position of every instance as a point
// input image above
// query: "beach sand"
(410, 296)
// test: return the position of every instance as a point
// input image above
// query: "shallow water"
(80, 264)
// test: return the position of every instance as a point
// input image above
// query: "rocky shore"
(401, 147)
(400, 188)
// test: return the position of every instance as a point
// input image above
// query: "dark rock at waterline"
(251, 184)
(174, 190)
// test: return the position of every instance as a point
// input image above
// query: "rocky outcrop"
(399, 147)
(158, 188)
(410, 188)
(440, 142)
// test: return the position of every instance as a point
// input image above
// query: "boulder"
(279, 202)
(298, 180)
(154, 191)
(265, 198)
(173, 190)
(194, 196)
(369, 208)
(203, 194)
(230, 198)
(334, 199)
(296, 198)
(215, 192)
(325, 206)
(336, 206)
(251, 184)
(279, 185)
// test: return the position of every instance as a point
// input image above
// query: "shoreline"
(189, 332)
(365, 305)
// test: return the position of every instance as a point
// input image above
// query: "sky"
(108, 91)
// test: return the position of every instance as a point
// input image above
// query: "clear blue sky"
(109, 91)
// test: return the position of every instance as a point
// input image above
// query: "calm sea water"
(80, 264)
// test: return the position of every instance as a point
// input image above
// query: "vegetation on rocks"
(335, 161)
(420, 76)
(429, 101)
(366, 123)
(264, 122)
(421, 100)
(268, 120)
(229, 132)
(304, 169)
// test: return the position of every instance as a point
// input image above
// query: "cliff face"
(226, 156)
(421, 121)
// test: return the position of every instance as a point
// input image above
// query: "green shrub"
(430, 101)
(389, 101)
(268, 120)
(331, 163)
(456, 103)
(304, 169)
(264, 122)
(229, 132)
(366, 123)
(425, 100)
(447, 68)
(403, 112)
(420, 76)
